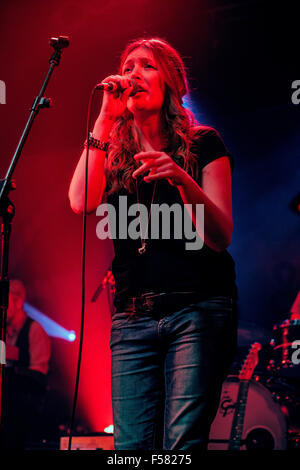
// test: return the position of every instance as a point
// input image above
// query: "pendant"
(142, 249)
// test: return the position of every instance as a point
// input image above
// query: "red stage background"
(46, 239)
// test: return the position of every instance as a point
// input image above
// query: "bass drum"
(265, 425)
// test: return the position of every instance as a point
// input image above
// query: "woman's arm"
(215, 194)
(96, 177)
(113, 106)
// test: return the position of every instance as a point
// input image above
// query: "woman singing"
(173, 333)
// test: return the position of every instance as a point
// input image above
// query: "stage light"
(72, 336)
(190, 104)
(51, 327)
(109, 429)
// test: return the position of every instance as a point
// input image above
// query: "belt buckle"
(146, 302)
(137, 304)
(149, 303)
(133, 307)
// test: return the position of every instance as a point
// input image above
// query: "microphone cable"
(83, 265)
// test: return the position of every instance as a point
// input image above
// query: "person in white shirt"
(28, 352)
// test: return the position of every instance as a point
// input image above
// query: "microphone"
(115, 86)
(60, 43)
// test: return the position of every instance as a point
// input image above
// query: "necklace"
(142, 248)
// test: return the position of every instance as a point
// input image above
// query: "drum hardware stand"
(7, 209)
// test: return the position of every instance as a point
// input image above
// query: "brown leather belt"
(163, 302)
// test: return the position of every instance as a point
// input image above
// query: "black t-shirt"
(167, 265)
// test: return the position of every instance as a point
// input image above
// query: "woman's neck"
(150, 132)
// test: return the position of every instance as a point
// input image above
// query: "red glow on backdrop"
(45, 249)
(46, 238)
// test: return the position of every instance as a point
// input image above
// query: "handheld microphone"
(116, 86)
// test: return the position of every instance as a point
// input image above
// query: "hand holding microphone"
(117, 89)
(115, 86)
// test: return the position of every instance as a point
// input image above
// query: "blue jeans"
(167, 374)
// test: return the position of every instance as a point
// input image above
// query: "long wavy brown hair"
(178, 123)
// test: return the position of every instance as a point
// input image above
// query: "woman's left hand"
(160, 165)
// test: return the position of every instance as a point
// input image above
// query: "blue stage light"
(190, 104)
(50, 326)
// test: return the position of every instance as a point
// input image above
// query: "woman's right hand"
(115, 103)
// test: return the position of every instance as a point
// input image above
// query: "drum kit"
(260, 405)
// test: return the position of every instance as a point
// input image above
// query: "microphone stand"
(108, 283)
(7, 209)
